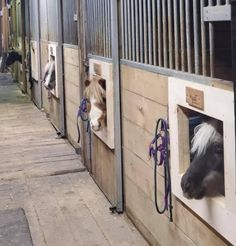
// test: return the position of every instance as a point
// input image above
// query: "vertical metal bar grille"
(133, 31)
(176, 34)
(98, 28)
(159, 34)
(141, 30)
(211, 42)
(182, 35)
(165, 40)
(188, 35)
(170, 34)
(196, 36)
(154, 31)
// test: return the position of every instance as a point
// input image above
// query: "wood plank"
(137, 140)
(111, 224)
(31, 140)
(72, 133)
(72, 110)
(142, 111)
(103, 168)
(71, 74)
(143, 208)
(72, 92)
(146, 84)
(182, 216)
(71, 56)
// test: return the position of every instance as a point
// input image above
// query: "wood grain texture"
(149, 85)
(72, 92)
(103, 168)
(144, 100)
(71, 56)
(42, 175)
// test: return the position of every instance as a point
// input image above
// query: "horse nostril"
(96, 127)
(186, 185)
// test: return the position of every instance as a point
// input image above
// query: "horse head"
(205, 175)
(12, 57)
(95, 92)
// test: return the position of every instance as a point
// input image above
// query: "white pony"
(95, 92)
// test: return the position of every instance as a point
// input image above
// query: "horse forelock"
(205, 134)
(95, 90)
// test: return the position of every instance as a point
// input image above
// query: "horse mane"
(204, 135)
(95, 89)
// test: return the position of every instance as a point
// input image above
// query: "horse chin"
(194, 195)
(96, 128)
(186, 195)
(199, 196)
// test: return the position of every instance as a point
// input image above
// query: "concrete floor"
(42, 175)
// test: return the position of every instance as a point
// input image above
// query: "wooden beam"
(5, 26)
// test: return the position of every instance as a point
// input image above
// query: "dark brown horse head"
(205, 175)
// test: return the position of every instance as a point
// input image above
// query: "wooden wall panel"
(103, 168)
(144, 100)
(71, 73)
(134, 166)
(141, 207)
(71, 56)
(72, 92)
(149, 85)
(139, 110)
(54, 112)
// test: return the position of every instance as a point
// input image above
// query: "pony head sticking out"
(49, 77)
(205, 175)
(95, 92)
(13, 57)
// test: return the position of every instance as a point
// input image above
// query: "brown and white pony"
(95, 93)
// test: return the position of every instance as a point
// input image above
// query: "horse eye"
(219, 150)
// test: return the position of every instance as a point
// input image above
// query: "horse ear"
(86, 83)
(102, 82)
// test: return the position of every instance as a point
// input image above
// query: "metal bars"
(98, 27)
(169, 34)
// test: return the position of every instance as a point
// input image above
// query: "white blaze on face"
(94, 114)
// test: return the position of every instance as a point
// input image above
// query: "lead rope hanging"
(159, 151)
(83, 114)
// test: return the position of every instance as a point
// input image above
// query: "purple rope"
(159, 146)
(83, 114)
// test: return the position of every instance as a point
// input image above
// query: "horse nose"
(96, 126)
(186, 185)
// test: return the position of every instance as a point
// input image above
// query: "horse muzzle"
(96, 127)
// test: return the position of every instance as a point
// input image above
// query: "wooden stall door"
(99, 158)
